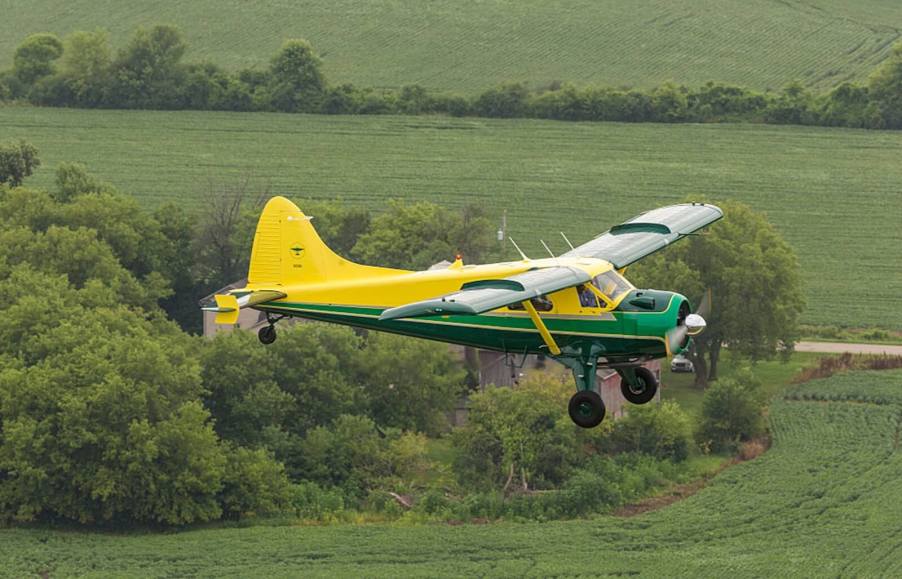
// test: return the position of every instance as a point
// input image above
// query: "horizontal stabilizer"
(228, 306)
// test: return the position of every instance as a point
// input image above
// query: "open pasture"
(836, 194)
(823, 501)
(468, 45)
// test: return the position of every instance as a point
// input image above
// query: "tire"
(586, 409)
(645, 391)
(267, 334)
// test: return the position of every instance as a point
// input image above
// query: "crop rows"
(824, 501)
(467, 46)
(833, 193)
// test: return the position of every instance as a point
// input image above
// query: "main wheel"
(586, 409)
(645, 388)
(267, 334)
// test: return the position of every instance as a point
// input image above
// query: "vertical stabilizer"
(288, 251)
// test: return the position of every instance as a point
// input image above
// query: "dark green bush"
(659, 430)
(732, 412)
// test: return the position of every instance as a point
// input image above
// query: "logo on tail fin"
(296, 249)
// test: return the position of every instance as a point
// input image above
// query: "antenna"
(545, 245)
(567, 240)
(520, 251)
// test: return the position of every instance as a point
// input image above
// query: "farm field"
(469, 45)
(834, 193)
(822, 502)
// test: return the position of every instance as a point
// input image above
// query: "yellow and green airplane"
(576, 308)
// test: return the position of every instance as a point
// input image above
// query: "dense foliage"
(825, 499)
(148, 73)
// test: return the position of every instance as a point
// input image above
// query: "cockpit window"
(612, 284)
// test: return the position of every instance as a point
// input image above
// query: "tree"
(296, 80)
(34, 58)
(73, 179)
(411, 384)
(17, 161)
(225, 232)
(100, 414)
(86, 66)
(417, 235)
(508, 101)
(732, 412)
(753, 275)
(148, 72)
(508, 431)
(885, 90)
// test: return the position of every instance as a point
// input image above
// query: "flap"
(481, 296)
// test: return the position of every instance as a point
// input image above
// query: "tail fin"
(287, 250)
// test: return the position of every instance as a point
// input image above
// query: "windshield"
(612, 284)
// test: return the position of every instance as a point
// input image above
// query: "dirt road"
(839, 348)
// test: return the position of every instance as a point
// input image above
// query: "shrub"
(732, 412)
(659, 430)
(253, 484)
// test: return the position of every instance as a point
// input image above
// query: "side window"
(587, 297)
(541, 304)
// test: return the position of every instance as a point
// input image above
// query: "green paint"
(627, 334)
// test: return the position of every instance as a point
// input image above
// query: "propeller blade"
(675, 337)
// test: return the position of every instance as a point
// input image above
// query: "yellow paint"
(288, 256)
(543, 329)
(228, 306)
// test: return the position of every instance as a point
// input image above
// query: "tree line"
(82, 70)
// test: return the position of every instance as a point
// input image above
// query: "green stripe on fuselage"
(621, 333)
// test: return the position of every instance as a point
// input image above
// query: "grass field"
(824, 501)
(834, 193)
(469, 45)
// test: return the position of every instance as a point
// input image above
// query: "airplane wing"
(647, 233)
(228, 306)
(481, 296)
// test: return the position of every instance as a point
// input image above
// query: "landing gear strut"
(638, 385)
(586, 406)
(267, 334)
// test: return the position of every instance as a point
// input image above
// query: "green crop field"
(836, 194)
(469, 45)
(823, 501)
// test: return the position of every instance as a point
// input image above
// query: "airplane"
(576, 308)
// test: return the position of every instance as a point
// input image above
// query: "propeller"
(693, 325)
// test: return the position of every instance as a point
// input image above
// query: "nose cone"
(695, 324)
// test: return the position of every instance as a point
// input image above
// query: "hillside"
(469, 45)
(824, 501)
(834, 193)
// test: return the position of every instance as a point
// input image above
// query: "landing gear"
(267, 334)
(639, 385)
(586, 409)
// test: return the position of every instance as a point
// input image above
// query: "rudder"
(287, 250)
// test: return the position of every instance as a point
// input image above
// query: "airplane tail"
(287, 251)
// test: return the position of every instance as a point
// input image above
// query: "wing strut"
(543, 330)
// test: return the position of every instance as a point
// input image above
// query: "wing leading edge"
(481, 296)
(647, 233)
